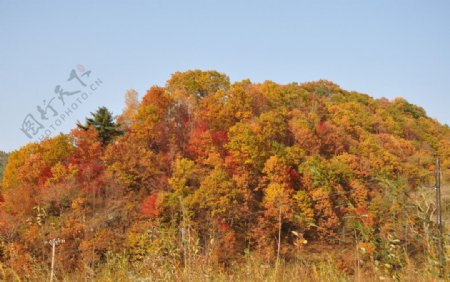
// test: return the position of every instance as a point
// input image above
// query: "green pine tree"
(103, 121)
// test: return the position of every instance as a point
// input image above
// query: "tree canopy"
(231, 167)
(3, 161)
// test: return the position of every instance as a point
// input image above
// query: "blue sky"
(383, 48)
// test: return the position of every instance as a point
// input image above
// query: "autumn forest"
(203, 179)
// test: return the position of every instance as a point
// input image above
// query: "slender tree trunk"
(185, 238)
(279, 243)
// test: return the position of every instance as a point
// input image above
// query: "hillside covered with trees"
(203, 173)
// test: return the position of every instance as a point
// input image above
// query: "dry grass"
(318, 267)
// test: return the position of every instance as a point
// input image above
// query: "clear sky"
(383, 48)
